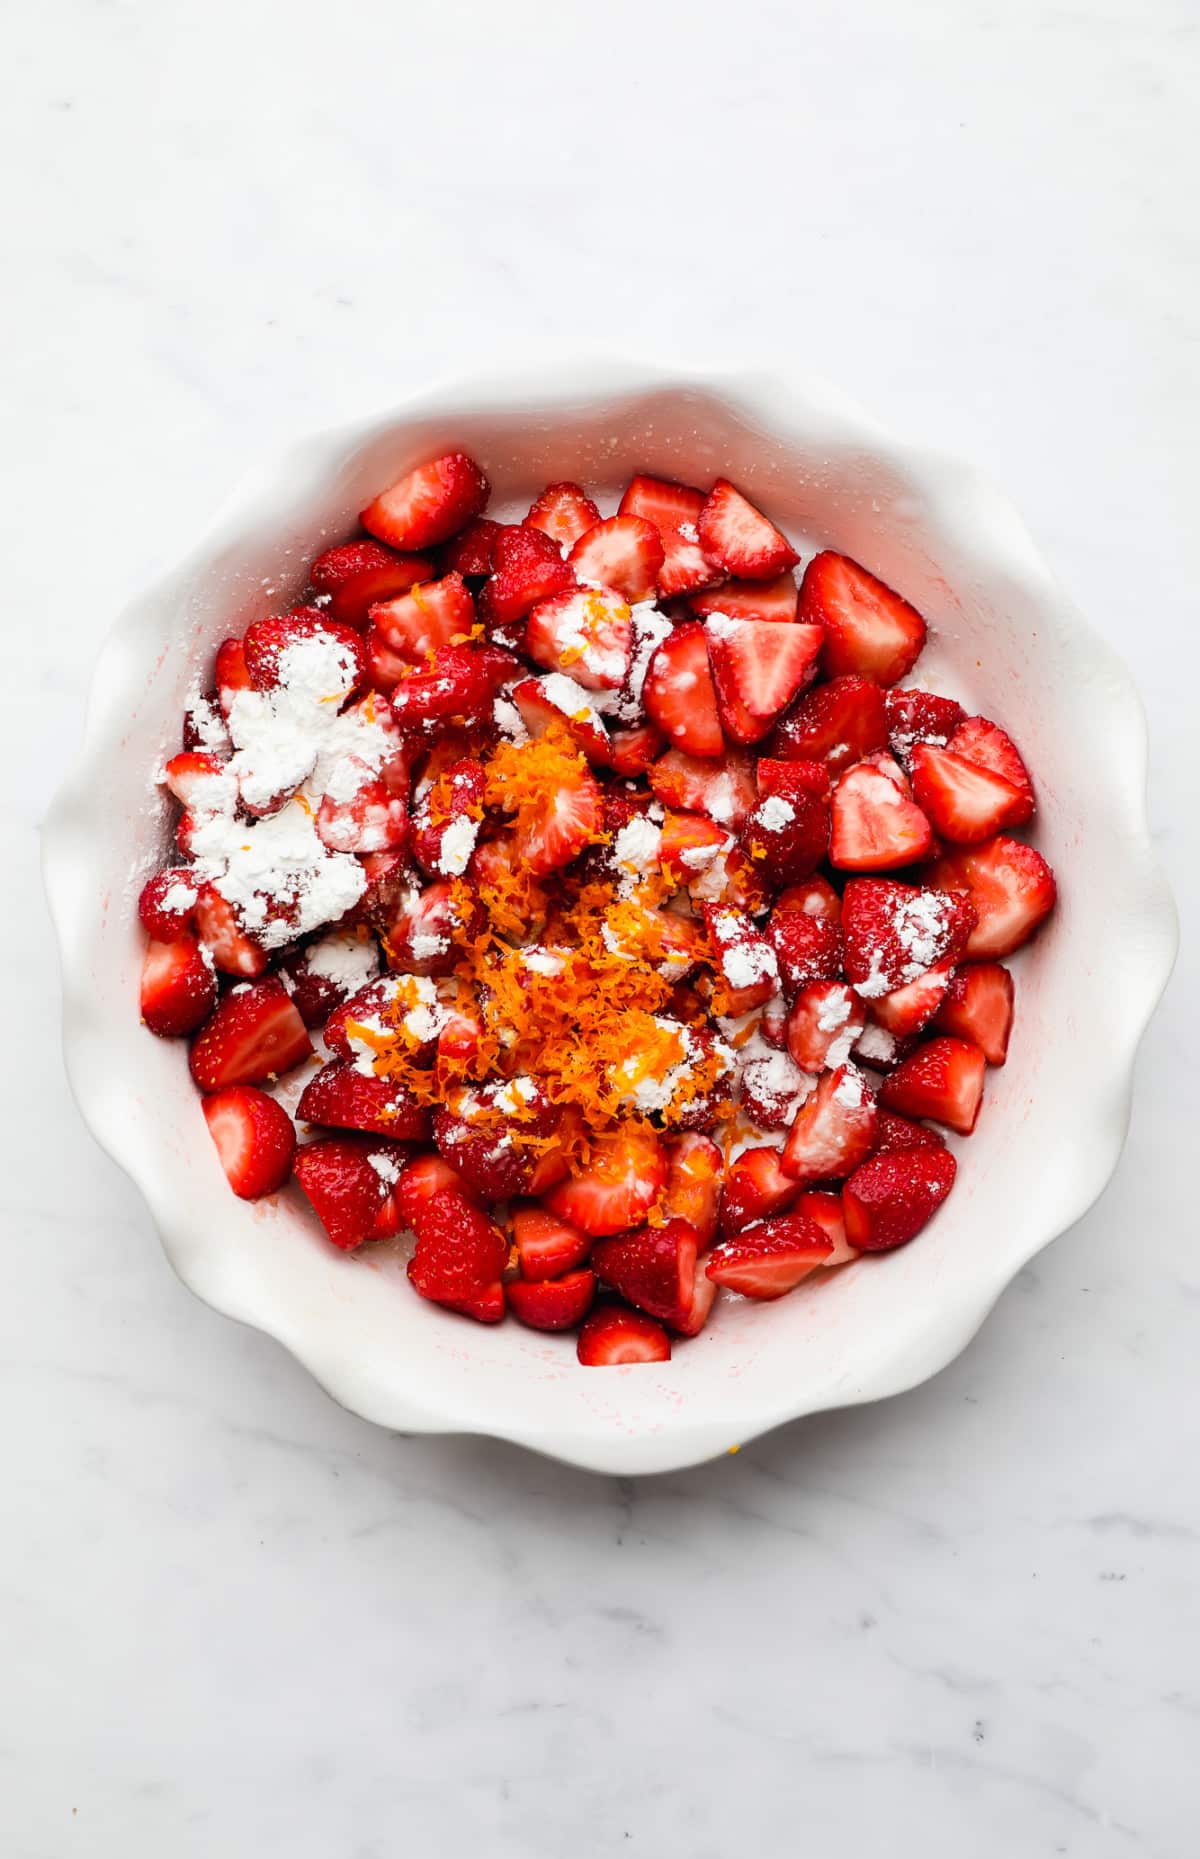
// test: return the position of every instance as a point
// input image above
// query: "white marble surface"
(235, 1620)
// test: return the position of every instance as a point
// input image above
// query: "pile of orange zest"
(524, 779)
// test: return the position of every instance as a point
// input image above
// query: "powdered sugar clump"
(851, 1091)
(876, 1045)
(508, 720)
(635, 851)
(774, 813)
(346, 960)
(205, 724)
(543, 962)
(774, 1083)
(748, 963)
(458, 843)
(386, 1167)
(570, 698)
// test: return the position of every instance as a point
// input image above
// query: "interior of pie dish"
(1002, 641)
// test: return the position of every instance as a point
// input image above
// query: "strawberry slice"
(320, 977)
(986, 745)
(613, 1337)
(527, 566)
(377, 1006)
(894, 933)
(750, 600)
(430, 614)
(942, 1080)
(178, 989)
(546, 1246)
(653, 1268)
(773, 1089)
(199, 781)
(553, 1303)
(459, 1257)
(625, 1172)
(772, 1257)
(255, 1033)
(964, 803)
(915, 716)
(703, 1296)
(722, 787)
(218, 928)
(624, 553)
(1011, 888)
(428, 505)
(758, 667)
(890, 1198)
(564, 512)
(679, 696)
(906, 1010)
(356, 575)
(569, 818)
(826, 1209)
(446, 823)
(978, 1005)
(272, 645)
(742, 956)
(826, 1019)
(167, 904)
(421, 1179)
(693, 1192)
(869, 628)
(808, 948)
(483, 1137)
(358, 813)
(470, 552)
(343, 1098)
(460, 683)
(893, 1132)
(334, 567)
(755, 1187)
(875, 825)
(230, 675)
(558, 699)
(674, 509)
(738, 537)
(833, 1130)
(838, 723)
(816, 897)
(688, 845)
(787, 838)
(588, 634)
(348, 1180)
(631, 751)
(254, 1139)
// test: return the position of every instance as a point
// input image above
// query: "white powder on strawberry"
(876, 1044)
(345, 960)
(649, 628)
(774, 813)
(386, 1167)
(688, 531)
(774, 1083)
(458, 843)
(276, 873)
(748, 963)
(205, 723)
(515, 1095)
(920, 923)
(851, 1092)
(180, 896)
(834, 1013)
(570, 698)
(875, 983)
(721, 799)
(723, 626)
(699, 858)
(427, 945)
(635, 851)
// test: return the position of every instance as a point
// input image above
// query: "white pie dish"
(1003, 639)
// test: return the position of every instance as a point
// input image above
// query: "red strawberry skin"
(341, 1097)
(787, 849)
(344, 1187)
(739, 537)
(459, 1255)
(254, 1034)
(178, 987)
(770, 1259)
(526, 567)
(164, 907)
(838, 723)
(869, 629)
(807, 948)
(421, 1179)
(942, 1080)
(552, 1303)
(546, 1246)
(254, 1137)
(891, 1197)
(978, 1005)
(755, 1187)
(429, 504)
(679, 696)
(614, 1337)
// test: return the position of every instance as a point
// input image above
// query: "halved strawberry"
(254, 1138)
(587, 633)
(230, 675)
(167, 904)
(808, 948)
(750, 600)
(483, 1136)
(563, 512)
(693, 1191)
(942, 1080)
(678, 694)
(527, 566)
(787, 838)
(916, 716)
(255, 1033)
(631, 751)
(890, 1198)
(743, 957)
(320, 978)
(834, 1128)
(892, 1132)
(816, 897)
(773, 1089)
(755, 1186)
(758, 667)
(421, 1179)
(826, 1019)
(624, 553)
(617, 1186)
(771, 1258)
(200, 781)
(460, 682)
(688, 845)
(552, 1303)
(218, 928)
(963, 802)
(548, 838)
(470, 552)
(446, 823)
(988, 746)
(674, 509)
(348, 1180)
(459, 1257)
(826, 1209)
(558, 699)
(1010, 886)
(430, 614)
(879, 1049)
(343, 1098)
(358, 813)
(739, 537)
(906, 1010)
(978, 1005)
(428, 504)
(702, 1298)
(178, 989)
(375, 1007)
(356, 575)
(869, 628)
(876, 826)
(270, 644)
(547, 1247)
(722, 787)
(894, 933)
(652, 1269)
(334, 567)
(614, 1337)
(838, 723)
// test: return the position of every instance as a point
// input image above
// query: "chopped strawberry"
(1011, 888)
(733, 881)
(755, 1187)
(230, 675)
(796, 780)
(446, 823)
(564, 512)
(198, 779)
(890, 1198)
(551, 835)
(429, 504)
(459, 1257)
(807, 948)
(343, 1098)
(703, 1296)
(547, 1247)
(750, 600)
(617, 1186)
(254, 1139)
(787, 838)
(723, 787)
(906, 1010)
(879, 1049)
(876, 826)
(624, 553)
(552, 1303)
(942, 1080)
(218, 928)
(963, 803)
(368, 819)
(743, 958)
(833, 1130)
(986, 745)
(348, 1180)
(315, 984)
(826, 1019)
(460, 682)
(346, 560)
(588, 634)
(421, 1179)
(894, 933)
(893, 1132)
(270, 644)
(674, 509)
(693, 1190)
(688, 845)
(826, 1209)
(869, 629)
(978, 1005)
(494, 1136)
(758, 667)
(773, 1089)
(526, 567)
(470, 552)
(772, 1257)
(838, 723)
(816, 897)
(357, 575)
(167, 904)
(613, 1337)
(679, 696)
(652, 1268)
(739, 538)
(915, 716)
(430, 614)
(178, 988)
(254, 1033)
(558, 699)
(631, 751)
(374, 1008)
